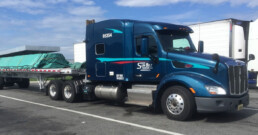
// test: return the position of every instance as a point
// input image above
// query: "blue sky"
(62, 22)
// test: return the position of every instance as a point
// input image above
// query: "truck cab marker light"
(157, 76)
(192, 90)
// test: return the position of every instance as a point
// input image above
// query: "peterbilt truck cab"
(157, 65)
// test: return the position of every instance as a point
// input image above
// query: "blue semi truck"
(156, 65)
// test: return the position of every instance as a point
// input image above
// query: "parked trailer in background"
(253, 49)
(225, 37)
(230, 38)
(79, 52)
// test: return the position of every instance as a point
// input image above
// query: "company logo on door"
(107, 35)
(144, 66)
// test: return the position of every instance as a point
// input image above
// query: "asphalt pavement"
(30, 112)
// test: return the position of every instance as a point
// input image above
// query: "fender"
(187, 79)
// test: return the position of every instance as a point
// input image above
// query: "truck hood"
(209, 57)
(198, 58)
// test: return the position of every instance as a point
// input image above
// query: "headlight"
(215, 90)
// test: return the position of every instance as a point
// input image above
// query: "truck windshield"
(174, 41)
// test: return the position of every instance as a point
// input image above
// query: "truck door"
(146, 67)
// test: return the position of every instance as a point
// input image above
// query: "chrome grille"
(237, 79)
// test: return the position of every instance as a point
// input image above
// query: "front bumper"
(220, 104)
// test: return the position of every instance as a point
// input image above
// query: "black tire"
(54, 89)
(24, 83)
(181, 104)
(69, 92)
(1, 83)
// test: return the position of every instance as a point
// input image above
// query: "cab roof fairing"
(155, 25)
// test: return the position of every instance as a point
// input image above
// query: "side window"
(99, 49)
(138, 45)
(152, 46)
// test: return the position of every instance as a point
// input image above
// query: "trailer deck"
(41, 74)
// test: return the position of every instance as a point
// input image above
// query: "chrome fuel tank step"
(141, 95)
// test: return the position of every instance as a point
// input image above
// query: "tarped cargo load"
(78, 65)
(33, 61)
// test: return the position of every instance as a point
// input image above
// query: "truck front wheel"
(178, 103)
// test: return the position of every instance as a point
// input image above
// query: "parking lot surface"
(30, 112)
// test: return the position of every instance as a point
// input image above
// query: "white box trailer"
(231, 38)
(253, 49)
(80, 52)
(225, 37)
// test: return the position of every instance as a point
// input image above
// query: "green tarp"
(78, 65)
(31, 61)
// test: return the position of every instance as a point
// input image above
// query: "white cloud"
(21, 3)
(84, 2)
(184, 18)
(57, 23)
(178, 17)
(253, 3)
(25, 6)
(86, 11)
(62, 30)
(56, 1)
(67, 51)
(243, 16)
(149, 3)
(144, 3)
(40, 6)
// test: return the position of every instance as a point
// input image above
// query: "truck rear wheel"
(69, 92)
(178, 103)
(55, 89)
(1, 83)
(24, 83)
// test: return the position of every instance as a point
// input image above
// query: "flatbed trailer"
(20, 64)
(41, 74)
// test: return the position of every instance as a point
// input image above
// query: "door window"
(152, 46)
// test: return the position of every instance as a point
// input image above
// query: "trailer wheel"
(55, 89)
(24, 83)
(178, 103)
(1, 83)
(69, 93)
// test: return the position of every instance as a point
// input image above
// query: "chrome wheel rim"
(175, 104)
(52, 90)
(67, 91)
